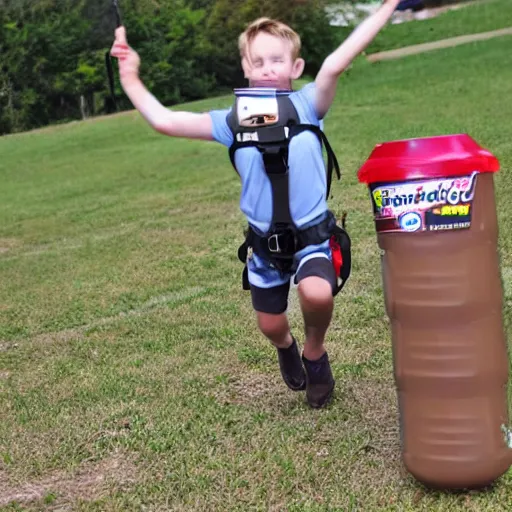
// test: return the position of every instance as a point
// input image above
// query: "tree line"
(52, 52)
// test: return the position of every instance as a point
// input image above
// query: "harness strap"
(277, 172)
(281, 245)
(283, 238)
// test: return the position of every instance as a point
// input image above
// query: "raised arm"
(163, 120)
(327, 78)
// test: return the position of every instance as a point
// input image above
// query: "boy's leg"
(317, 280)
(270, 305)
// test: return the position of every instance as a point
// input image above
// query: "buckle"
(275, 247)
(282, 242)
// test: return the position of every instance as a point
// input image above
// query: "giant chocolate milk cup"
(435, 217)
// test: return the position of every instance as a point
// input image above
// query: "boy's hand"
(128, 58)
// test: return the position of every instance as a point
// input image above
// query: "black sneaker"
(319, 381)
(291, 367)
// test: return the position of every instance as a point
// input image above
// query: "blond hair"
(272, 27)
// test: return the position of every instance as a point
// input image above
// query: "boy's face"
(269, 62)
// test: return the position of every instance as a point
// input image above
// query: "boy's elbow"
(158, 118)
(158, 128)
(163, 127)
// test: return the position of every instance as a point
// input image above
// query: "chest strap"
(273, 144)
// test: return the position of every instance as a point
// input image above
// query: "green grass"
(481, 16)
(132, 374)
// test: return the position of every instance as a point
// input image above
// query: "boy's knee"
(272, 326)
(315, 293)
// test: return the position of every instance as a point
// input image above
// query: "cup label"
(439, 204)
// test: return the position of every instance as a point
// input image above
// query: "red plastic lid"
(431, 157)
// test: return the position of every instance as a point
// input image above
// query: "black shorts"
(275, 300)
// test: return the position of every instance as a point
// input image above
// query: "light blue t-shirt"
(307, 183)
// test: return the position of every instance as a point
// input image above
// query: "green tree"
(53, 51)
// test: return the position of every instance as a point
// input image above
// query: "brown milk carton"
(435, 217)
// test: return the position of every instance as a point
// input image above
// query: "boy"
(270, 61)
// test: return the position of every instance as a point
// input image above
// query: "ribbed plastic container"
(435, 217)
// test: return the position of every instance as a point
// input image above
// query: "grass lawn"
(480, 16)
(132, 375)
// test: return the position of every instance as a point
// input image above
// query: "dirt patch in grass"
(6, 244)
(247, 387)
(6, 345)
(88, 482)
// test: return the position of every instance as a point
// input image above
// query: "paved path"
(437, 45)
